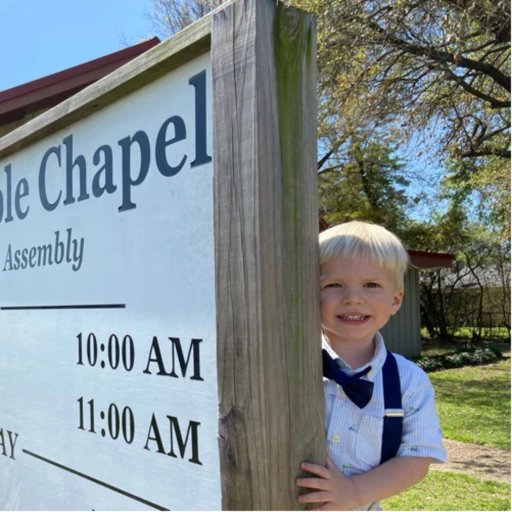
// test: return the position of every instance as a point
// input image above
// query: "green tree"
(475, 291)
(491, 183)
(366, 181)
(422, 62)
(440, 68)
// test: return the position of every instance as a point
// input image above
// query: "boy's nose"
(352, 298)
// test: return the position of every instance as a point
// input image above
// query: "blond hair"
(369, 242)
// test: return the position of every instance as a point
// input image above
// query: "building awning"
(422, 259)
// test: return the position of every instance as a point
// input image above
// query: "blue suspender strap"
(394, 414)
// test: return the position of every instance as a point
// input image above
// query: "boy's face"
(357, 299)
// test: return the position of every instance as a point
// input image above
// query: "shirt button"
(336, 438)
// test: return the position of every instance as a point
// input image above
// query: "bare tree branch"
(445, 57)
(494, 103)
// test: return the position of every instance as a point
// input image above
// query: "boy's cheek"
(325, 307)
(324, 314)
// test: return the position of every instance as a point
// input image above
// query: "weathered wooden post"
(159, 285)
(264, 75)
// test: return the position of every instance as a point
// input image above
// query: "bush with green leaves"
(467, 347)
(497, 351)
(474, 357)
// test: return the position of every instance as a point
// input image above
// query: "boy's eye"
(333, 285)
(372, 285)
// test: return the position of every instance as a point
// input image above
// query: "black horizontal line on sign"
(71, 306)
(96, 481)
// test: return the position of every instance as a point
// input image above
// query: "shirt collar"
(377, 361)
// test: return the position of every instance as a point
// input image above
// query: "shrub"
(485, 356)
(475, 357)
(429, 364)
(497, 351)
(467, 347)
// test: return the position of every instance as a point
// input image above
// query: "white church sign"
(122, 326)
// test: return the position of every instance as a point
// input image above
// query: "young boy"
(381, 423)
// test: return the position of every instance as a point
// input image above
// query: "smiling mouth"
(353, 317)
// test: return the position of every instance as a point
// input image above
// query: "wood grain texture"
(266, 230)
(142, 70)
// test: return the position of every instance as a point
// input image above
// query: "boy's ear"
(397, 301)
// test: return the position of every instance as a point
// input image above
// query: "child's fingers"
(330, 463)
(315, 497)
(316, 470)
(313, 483)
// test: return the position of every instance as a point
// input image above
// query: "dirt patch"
(483, 462)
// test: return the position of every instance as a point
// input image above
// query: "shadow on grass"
(488, 466)
(494, 394)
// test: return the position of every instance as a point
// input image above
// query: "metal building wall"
(402, 332)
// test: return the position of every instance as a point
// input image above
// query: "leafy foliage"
(423, 62)
(366, 182)
(439, 68)
(475, 292)
(474, 357)
(391, 71)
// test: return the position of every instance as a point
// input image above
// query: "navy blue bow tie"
(358, 390)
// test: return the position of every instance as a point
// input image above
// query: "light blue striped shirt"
(354, 435)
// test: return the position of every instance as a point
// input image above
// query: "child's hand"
(333, 489)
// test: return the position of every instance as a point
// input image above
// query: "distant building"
(478, 297)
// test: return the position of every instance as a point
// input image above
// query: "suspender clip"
(394, 413)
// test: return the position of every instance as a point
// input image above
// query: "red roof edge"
(422, 259)
(86, 67)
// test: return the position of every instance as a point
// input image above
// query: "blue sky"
(41, 37)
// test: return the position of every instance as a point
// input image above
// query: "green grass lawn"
(473, 403)
(452, 491)
(474, 406)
